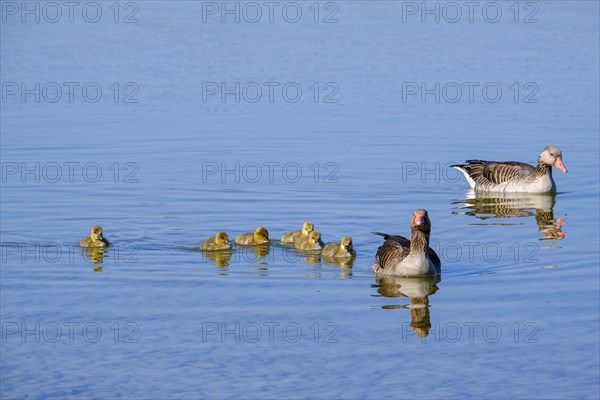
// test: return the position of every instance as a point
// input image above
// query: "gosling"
(259, 236)
(293, 236)
(310, 243)
(341, 249)
(95, 239)
(218, 242)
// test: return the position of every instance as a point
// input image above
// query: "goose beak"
(559, 164)
(419, 219)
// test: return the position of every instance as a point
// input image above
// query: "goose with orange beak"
(514, 176)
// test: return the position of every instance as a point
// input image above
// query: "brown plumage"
(514, 176)
(414, 257)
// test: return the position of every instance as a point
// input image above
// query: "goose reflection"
(417, 289)
(95, 255)
(485, 206)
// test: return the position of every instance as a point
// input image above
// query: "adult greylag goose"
(259, 236)
(513, 176)
(293, 236)
(414, 257)
(218, 242)
(94, 239)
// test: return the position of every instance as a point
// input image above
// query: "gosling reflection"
(258, 254)
(342, 262)
(221, 257)
(95, 255)
(486, 206)
(344, 268)
(417, 289)
(260, 250)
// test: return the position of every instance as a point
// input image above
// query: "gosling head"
(346, 244)
(420, 221)
(261, 235)
(96, 234)
(307, 228)
(221, 238)
(552, 156)
(315, 238)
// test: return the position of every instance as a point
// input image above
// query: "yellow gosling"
(95, 239)
(310, 243)
(293, 236)
(259, 236)
(219, 242)
(341, 249)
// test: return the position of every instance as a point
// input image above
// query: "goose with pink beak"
(514, 176)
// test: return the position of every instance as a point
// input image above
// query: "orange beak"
(559, 164)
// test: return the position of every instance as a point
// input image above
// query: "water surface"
(515, 313)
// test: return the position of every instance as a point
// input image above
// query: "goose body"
(259, 236)
(311, 243)
(402, 257)
(342, 249)
(513, 176)
(293, 236)
(94, 239)
(218, 242)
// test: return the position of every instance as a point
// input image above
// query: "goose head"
(420, 221)
(307, 228)
(346, 244)
(552, 156)
(261, 235)
(96, 234)
(221, 239)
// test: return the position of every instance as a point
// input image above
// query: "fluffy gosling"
(292, 237)
(341, 249)
(259, 236)
(218, 242)
(310, 243)
(94, 239)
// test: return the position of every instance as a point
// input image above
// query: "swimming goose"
(310, 243)
(293, 236)
(414, 257)
(341, 249)
(259, 236)
(513, 176)
(218, 242)
(94, 239)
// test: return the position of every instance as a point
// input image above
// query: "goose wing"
(492, 172)
(392, 251)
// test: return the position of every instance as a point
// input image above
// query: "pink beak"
(419, 219)
(559, 164)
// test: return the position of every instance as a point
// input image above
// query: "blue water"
(162, 163)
